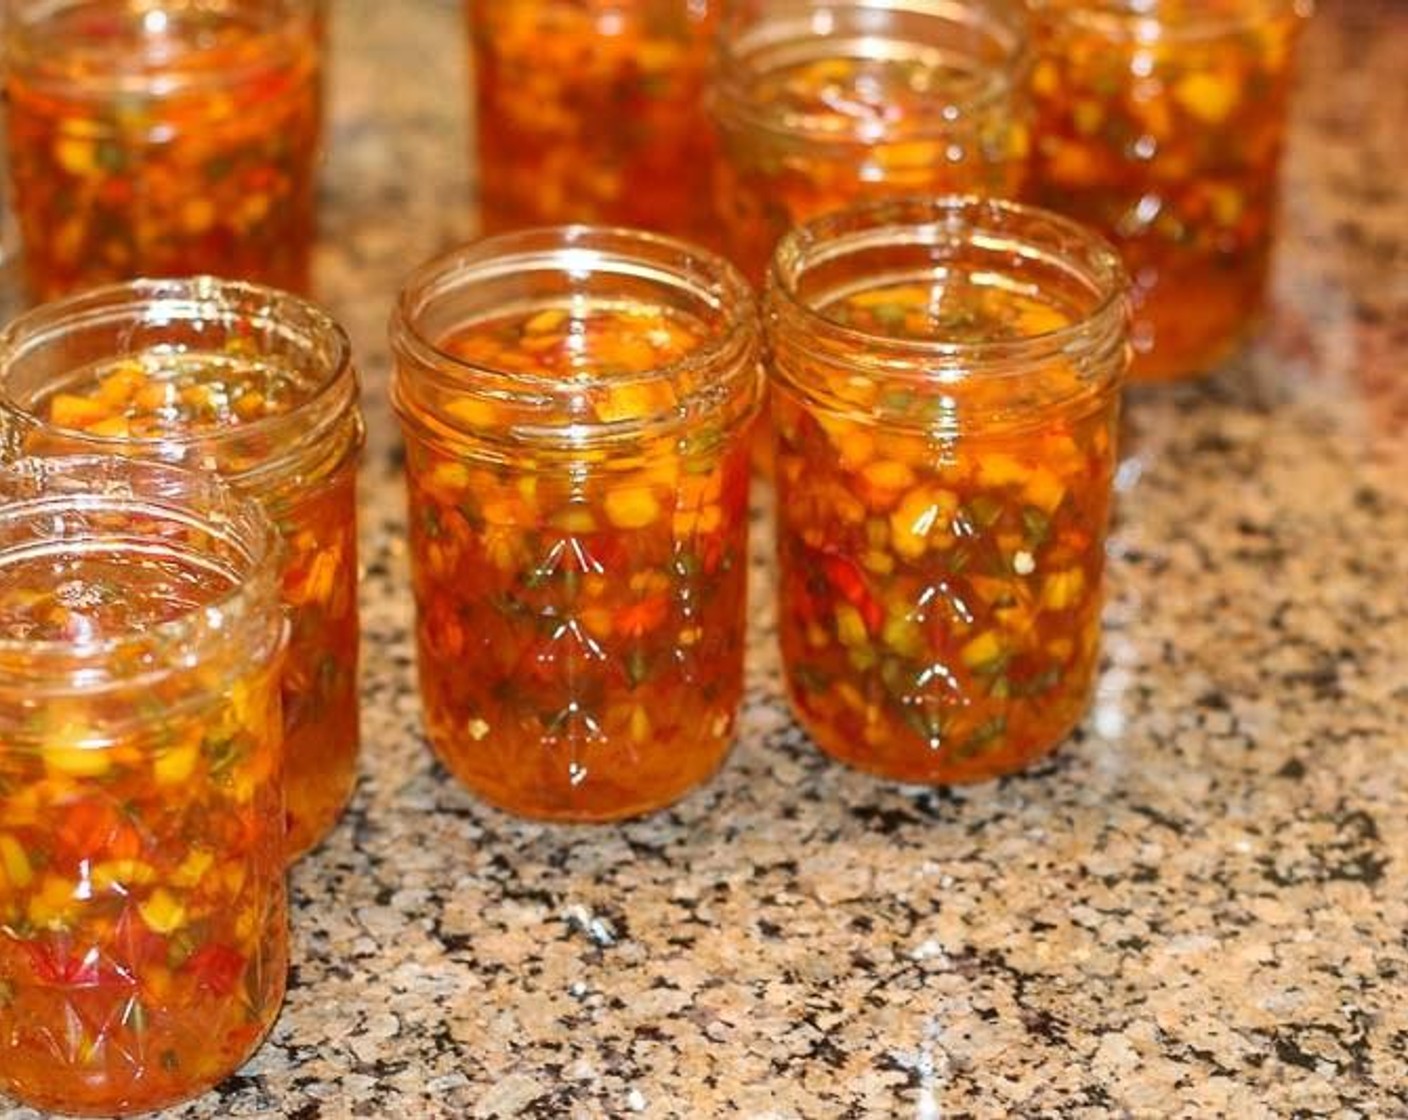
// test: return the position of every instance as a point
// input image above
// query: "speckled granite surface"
(1199, 908)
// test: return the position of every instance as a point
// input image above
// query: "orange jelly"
(578, 502)
(944, 405)
(1162, 126)
(162, 142)
(904, 98)
(593, 111)
(277, 415)
(143, 919)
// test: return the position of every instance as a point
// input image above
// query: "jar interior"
(197, 369)
(974, 285)
(113, 570)
(853, 71)
(573, 280)
(928, 313)
(1156, 21)
(99, 48)
(104, 589)
(587, 334)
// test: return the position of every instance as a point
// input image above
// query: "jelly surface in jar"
(163, 395)
(940, 585)
(163, 147)
(580, 621)
(1170, 144)
(594, 112)
(143, 941)
(810, 123)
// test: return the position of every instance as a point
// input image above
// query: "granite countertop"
(1197, 908)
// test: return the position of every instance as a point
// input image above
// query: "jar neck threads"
(1169, 21)
(59, 511)
(572, 272)
(201, 316)
(143, 52)
(970, 60)
(1002, 247)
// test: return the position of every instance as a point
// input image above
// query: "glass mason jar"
(162, 140)
(593, 111)
(820, 103)
(1161, 123)
(945, 379)
(574, 402)
(258, 384)
(143, 916)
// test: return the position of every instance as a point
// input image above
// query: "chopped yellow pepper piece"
(850, 627)
(1209, 97)
(982, 650)
(1062, 589)
(15, 863)
(163, 912)
(631, 507)
(69, 411)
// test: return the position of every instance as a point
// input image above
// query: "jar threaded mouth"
(573, 270)
(978, 56)
(1155, 22)
(935, 241)
(169, 321)
(158, 55)
(59, 508)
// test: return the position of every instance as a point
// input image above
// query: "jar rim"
(157, 75)
(157, 303)
(946, 218)
(65, 485)
(1016, 238)
(1006, 24)
(577, 252)
(1178, 21)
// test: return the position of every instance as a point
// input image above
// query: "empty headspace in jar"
(102, 590)
(857, 72)
(112, 572)
(168, 392)
(102, 49)
(1168, 22)
(573, 344)
(915, 308)
(207, 372)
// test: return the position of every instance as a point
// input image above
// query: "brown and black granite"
(1198, 908)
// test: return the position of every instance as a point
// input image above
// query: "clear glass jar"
(162, 140)
(143, 915)
(945, 379)
(574, 402)
(1161, 124)
(259, 385)
(593, 111)
(821, 103)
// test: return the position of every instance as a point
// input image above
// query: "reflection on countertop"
(1197, 908)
